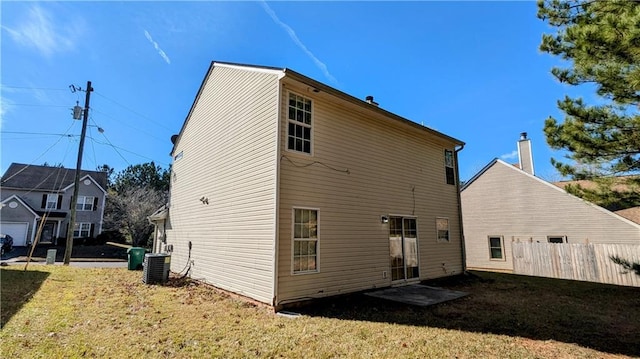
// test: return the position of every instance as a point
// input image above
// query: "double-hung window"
(81, 230)
(450, 172)
(299, 121)
(85, 203)
(496, 246)
(305, 240)
(442, 229)
(51, 201)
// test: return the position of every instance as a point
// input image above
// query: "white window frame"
(306, 240)
(502, 256)
(564, 239)
(438, 238)
(79, 229)
(81, 204)
(52, 201)
(302, 124)
(449, 162)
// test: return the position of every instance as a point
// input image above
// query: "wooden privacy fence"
(587, 262)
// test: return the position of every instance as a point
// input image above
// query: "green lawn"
(55, 311)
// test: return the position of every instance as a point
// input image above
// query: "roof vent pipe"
(369, 100)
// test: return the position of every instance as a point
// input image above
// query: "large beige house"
(505, 203)
(284, 189)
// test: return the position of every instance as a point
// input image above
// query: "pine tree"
(600, 40)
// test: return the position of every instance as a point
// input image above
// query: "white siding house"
(284, 189)
(504, 203)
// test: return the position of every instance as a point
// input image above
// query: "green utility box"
(136, 257)
(51, 256)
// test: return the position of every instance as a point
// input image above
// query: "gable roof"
(632, 214)
(45, 178)
(286, 72)
(497, 161)
(23, 203)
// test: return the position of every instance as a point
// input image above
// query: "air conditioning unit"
(156, 268)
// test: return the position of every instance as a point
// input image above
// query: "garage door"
(16, 230)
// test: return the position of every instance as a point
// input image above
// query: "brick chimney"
(525, 157)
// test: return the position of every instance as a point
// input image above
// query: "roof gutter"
(354, 100)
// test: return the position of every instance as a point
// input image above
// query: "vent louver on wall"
(156, 268)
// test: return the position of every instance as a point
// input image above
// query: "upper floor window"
(86, 203)
(299, 120)
(448, 165)
(51, 201)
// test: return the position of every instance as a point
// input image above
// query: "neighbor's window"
(496, 247)
(299, 138)
(85, 203)
(52, 201)
(82, 230)
(442, 226)
(557, 239)
(305, 240)
(448, 165)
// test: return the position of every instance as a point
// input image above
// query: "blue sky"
(471, 70)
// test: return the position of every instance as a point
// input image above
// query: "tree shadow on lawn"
(18, 287)
(598, 316)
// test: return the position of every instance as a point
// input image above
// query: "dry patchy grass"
(74, 312)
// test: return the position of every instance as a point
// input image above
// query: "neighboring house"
(284, 189)
(31, 193)
(504, 203)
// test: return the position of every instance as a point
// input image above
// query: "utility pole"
(76, 182)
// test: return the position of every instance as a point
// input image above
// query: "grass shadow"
(598, 316)
(17, 288)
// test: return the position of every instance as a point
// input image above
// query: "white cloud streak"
(510, 156)
(39, 31)
(296, 40)
(157, 47)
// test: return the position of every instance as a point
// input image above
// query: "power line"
(34, 88)
(133, 111)
(37, 105)
(127, 124)
(45, 151)
(38, 133)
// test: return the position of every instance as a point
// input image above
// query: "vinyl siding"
(505, 201)
(385, 160)
(229, 156)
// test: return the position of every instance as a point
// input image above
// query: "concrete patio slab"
(417, 294)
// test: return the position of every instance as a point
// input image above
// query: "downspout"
(104, 204)
(276, 221)
(462, 243)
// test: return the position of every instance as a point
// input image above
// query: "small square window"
(442, 228)
(496, 247)
(557, 239)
